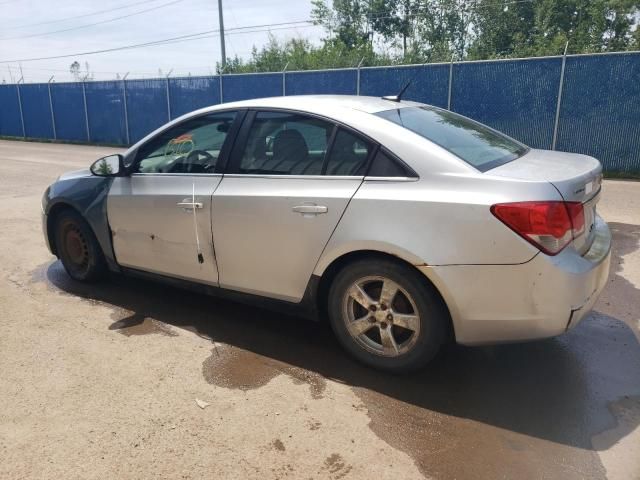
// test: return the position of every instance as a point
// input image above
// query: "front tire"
(78, 248)
(386, 315)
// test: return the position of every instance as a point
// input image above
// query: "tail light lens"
(549, 226)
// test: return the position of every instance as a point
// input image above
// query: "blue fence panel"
(189, 94)
(429, 83)
(328, 81)
(517, 97)
(68, 111)
(600, 110)
(255, 85)
(599, 116)
(36, 111)
(10, 124)
(147, 107)
(105, 105)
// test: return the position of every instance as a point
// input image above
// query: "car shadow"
(558, 389)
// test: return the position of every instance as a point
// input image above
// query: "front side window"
(285, 144)
(193, 146)
(476, 144)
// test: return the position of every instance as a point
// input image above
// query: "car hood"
(75, 174)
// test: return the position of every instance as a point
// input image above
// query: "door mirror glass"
(109, 166)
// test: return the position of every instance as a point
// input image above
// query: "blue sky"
(22, 25)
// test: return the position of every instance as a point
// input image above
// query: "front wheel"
(78, 248)
(386, 315)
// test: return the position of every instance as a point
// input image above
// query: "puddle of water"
(137, 324)
(233, 368)
(336, 466)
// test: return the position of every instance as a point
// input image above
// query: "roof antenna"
(398, 97)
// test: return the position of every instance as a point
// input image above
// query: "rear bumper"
(541, 298)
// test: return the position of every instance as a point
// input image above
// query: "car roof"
(319, 104)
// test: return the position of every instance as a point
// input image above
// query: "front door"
(275, 211)
(160, 215)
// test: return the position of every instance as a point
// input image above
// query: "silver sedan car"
(404, 224)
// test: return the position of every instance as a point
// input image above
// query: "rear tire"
(78, 248)
(386, 315)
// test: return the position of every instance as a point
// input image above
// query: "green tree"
(543, 27)
(386, 32)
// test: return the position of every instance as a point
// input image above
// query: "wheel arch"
(95, 219)
(52, 216)
(330, 271)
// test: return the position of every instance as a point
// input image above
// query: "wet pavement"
(567, 407)
(536, 404)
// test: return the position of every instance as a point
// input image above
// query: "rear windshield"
(476, 144)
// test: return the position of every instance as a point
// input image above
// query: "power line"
(95, 23)
(245, 29)
(77, 16)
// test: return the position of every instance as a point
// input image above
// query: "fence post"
(24, 132)
(126, 112)
(220, 72)
(53, 117)
(560, 88)
(358, 77)
(168, 96)
(284, 79)
(450, 83)
(86, 111)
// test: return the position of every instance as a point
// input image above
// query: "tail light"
(549, 226)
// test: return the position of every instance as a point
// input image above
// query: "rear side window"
(285, 144)
(384, 165)
(349, 154)
(476, 144)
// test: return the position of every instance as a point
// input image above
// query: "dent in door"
(152, 232)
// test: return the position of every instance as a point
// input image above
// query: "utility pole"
(223, 53)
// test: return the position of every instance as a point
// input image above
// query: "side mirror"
(109, 166)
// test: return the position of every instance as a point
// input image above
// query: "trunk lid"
(576, 177)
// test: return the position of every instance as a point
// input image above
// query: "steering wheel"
(192, 163)
(194, 158)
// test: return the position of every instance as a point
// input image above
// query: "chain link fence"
(577, 103)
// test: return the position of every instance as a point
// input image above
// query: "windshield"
(476, 144)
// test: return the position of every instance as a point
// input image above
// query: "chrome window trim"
(391, 179)
(297, 177)
(168, 174)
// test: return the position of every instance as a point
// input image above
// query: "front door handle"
(310, 209)
(190, 205)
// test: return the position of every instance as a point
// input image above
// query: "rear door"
(160, 215)
(275, 209)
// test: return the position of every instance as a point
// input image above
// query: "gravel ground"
(109, 381)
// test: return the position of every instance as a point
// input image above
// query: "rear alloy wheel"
(78, 248)
(386, 315)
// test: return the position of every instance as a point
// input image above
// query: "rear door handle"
(190, 204)
(310, 209)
